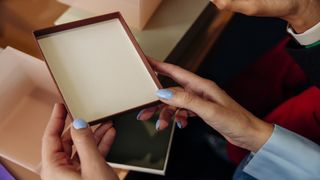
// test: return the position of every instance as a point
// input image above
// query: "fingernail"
(79, 124)
(158, 125)
(179, 124)
(164, 93)
(138, 116)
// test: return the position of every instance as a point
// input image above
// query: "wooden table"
(19, 18)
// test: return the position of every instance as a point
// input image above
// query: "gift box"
(102, 74)
(98, 67)
(27, 96)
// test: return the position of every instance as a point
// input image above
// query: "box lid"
(98, 67)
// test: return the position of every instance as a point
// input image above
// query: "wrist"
(304, 17)
(258, 135)
(302, 25)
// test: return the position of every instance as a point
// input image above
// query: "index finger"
(51, 141)
(188, 80)
(181, 76)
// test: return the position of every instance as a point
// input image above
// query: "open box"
(98, 67)
(102, 73)
(136, 12)
(27, 95)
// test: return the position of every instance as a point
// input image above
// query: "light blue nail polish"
(179, 124)
(158, 125)
(164, 93)
(79, 124)
(140, 113)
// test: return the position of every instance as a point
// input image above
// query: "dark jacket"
(308, 59)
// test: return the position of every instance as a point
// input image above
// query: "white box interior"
(98, 70)
(27, 95)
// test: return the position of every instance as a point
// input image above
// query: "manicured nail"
(140, 113)
(179, 124)
(158, 125)
(79, 124)
(164, 93)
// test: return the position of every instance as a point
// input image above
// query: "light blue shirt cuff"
(286, 155)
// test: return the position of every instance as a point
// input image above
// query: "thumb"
(178, 97)
(84, 141)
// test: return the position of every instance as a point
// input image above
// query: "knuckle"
(187, 98)
(172, 68)
(223, 4)
(113, 132)
(210, 83)
(252, 10)
(83, 137)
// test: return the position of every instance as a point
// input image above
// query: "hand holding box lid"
(57, 158)
(102, 74)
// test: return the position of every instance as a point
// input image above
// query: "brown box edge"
(54, 29)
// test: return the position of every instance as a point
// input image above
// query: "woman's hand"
(88, 163)
(205, 99)
(300, 14)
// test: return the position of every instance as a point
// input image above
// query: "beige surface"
(136, 12)
(165, 29)
(98, 70)
(27, 97)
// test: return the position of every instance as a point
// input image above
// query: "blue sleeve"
(286, 155)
